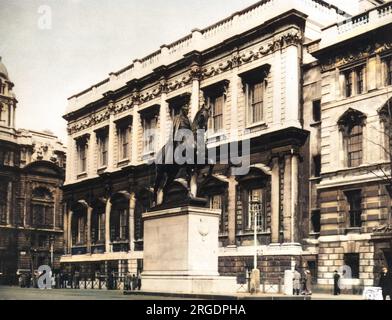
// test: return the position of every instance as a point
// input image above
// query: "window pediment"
(385, 112)
(255, 75)
(350, 119)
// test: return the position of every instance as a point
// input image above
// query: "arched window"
(79, 226)
(98, 220)
(3, 203)
(119, 222)
(143, 204)
(42, 204)
(216, 191)
(254, 201)
(354, 146)
(385, 113)
(351, 125)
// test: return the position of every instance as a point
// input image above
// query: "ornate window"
(360, 80)
(3, 203)
(354, 200)
(388, 70)
(354, 146)
(254, 85)
(98, 225)
(42, 204)
(351, 125)
(348, 83)
(385, 113)
(215, 189)
(149, 119)
(123, 142)
(102, 138)
(255, 102)
(317, 110)
(119, 225)
(215, 98)
(81, 146)
(255, 200)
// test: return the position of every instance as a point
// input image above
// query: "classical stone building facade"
(352, 77)
(263, 71)
(32, 168)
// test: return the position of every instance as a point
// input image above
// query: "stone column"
(9, 207)
(70, 155)
(231, 210)
(132, 206)
(195, 98)
(287, 199)
(135, 134)
(164, 112)
(111, 141)
(277, 89)
(70, 215)
(92, 144)
(235, 80)
(11, 117)
(292, 86)
(65, 231)
(275, 201)
(107, 226)
(89, 214)
(294, 196)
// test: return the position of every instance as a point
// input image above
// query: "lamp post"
(51, 241)
(255, 236)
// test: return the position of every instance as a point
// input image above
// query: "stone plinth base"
(189, 284)
(181, 252)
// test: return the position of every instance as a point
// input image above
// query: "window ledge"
(148, 155)
(101, 170)
(81, 175)
(352, 230)
(123, 162)
(316, 124)
(251, 233)
(257, 125)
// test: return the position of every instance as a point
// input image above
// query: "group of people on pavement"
(133, 282)
(302, 283)
(385, 283)
(63, 280)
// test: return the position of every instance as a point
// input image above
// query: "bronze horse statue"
(166, 167)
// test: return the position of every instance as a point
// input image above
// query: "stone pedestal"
(181, 252)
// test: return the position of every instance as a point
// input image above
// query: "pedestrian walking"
(134, 282)
(385, 283)
(336, 287)
(296, 282)
(308, 282)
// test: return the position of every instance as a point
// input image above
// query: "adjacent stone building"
(32, 168)
(352, 85)
(272, 75)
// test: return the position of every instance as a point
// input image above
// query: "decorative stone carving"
(239, 59)
(355, 55)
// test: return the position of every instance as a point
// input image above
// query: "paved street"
(15, 293)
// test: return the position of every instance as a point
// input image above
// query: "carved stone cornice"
(89, 121)
(352, 56)
(237, 59)
(177, 84)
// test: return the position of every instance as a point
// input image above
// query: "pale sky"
(87, 40)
